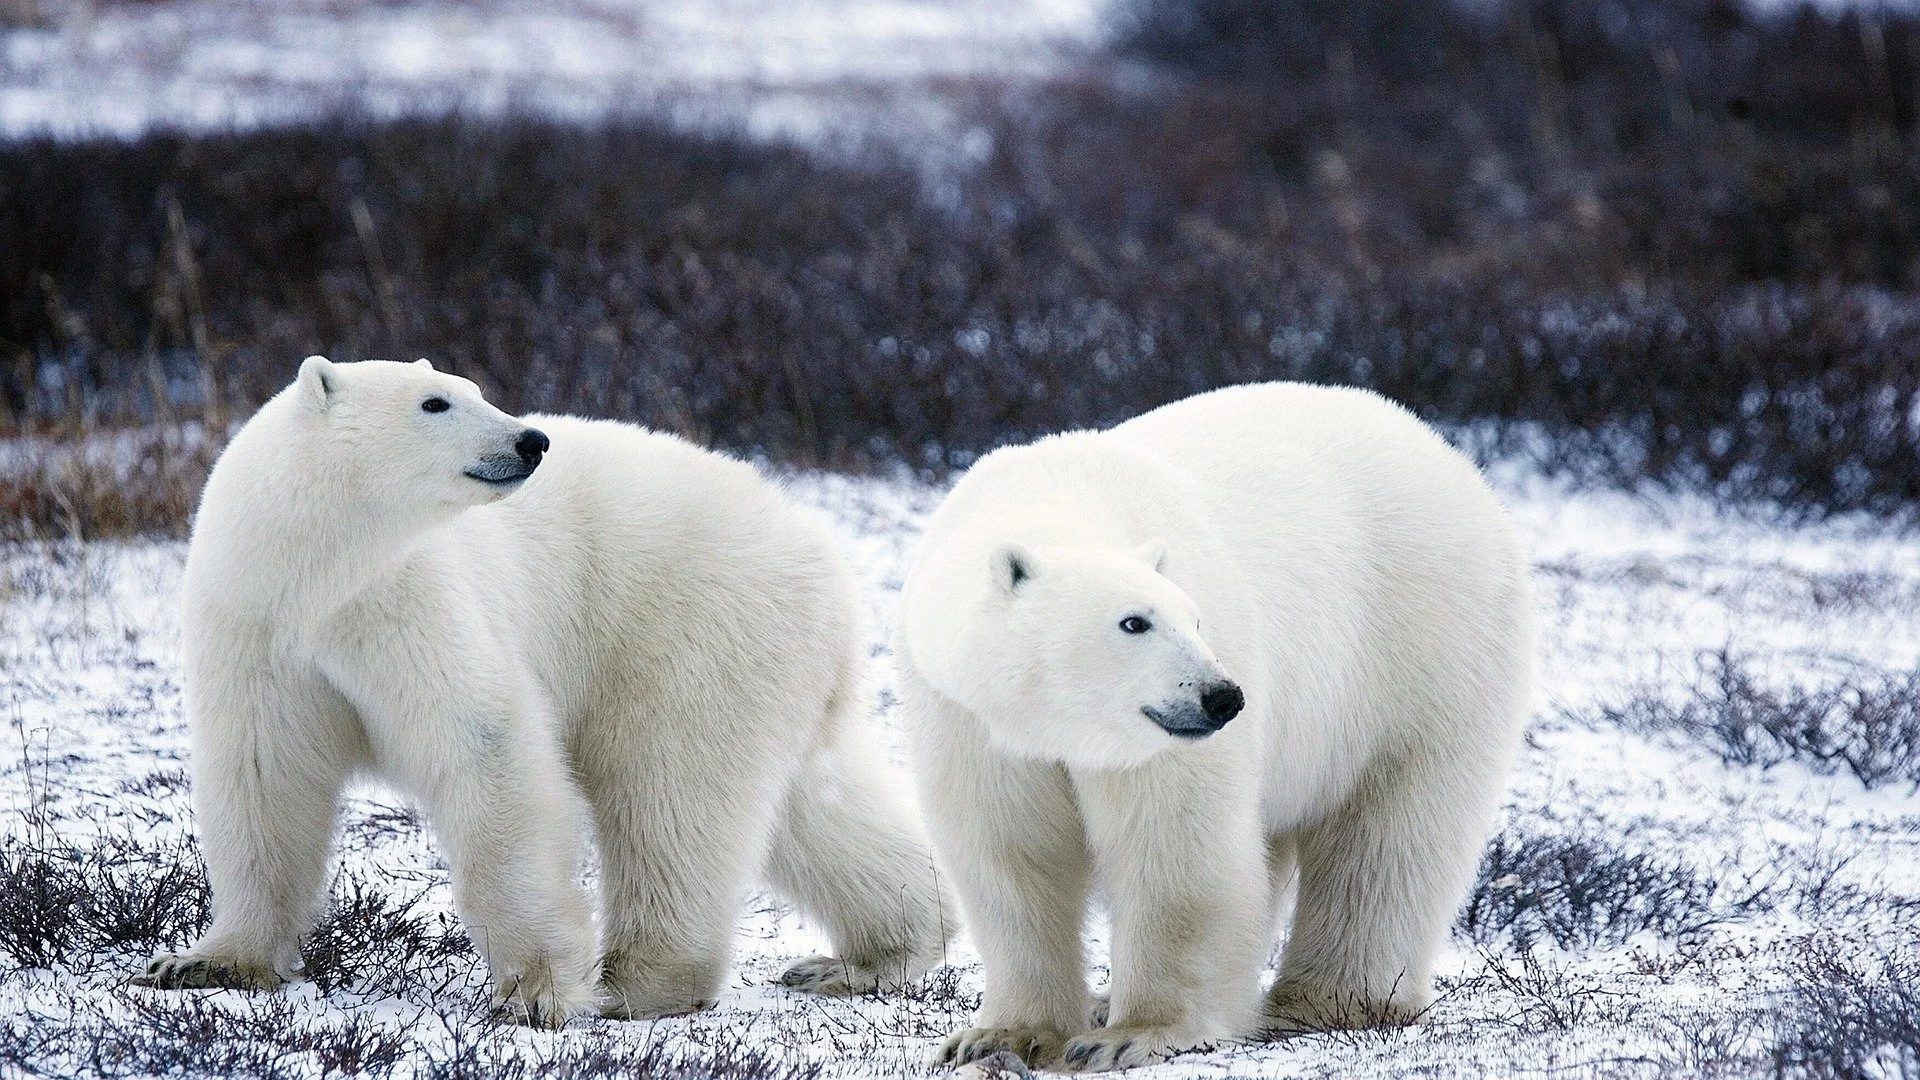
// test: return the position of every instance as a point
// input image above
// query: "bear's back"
(1334, 469)
(623, 527)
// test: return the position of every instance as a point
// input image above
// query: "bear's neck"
(315, 556)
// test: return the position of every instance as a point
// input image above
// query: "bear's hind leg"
(849, 853)
(269, 757)
(1379, 882)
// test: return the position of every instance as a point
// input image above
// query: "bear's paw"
(1039, 1047)
(537, 997)
(1119, 1048)
(195, 971)
(835, 977)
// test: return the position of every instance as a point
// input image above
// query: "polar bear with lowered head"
(1272, 639)
(527, 628)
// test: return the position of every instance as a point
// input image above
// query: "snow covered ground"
(795, 66)
(1653, 907)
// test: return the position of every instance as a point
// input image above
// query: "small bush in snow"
(1864, 721)
(1850, 1018)
(1580, 891)
(74, 907)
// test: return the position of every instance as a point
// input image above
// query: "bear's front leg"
(513, 823)
(1176, 846)
(271, 748)
(1010, 833)
(467, 732)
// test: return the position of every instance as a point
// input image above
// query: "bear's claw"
(1038, 1047)
(1116, 1048)
(830, 976)
(174, 971)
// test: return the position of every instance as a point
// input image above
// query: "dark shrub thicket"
(1579, 891)
(1584, 141)
(1677, 237)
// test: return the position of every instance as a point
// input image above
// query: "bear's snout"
(505, 471)
(1221, 701)
(532, 443)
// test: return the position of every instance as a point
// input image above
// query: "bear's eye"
(1134, 624)
(435, 404)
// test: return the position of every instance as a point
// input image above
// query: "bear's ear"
(424, 362)
(1153, 553)
(317, 380)
(1012, 565)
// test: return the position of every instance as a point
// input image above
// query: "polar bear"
(525, 628)
(1270, 639)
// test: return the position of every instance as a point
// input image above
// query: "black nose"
(1222, 701)
(532, 443)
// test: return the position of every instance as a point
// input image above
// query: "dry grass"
(140, 481)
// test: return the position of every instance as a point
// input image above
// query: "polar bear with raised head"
(528, 626)
(1272, 639)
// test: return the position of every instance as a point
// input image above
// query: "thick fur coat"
(619, 631)
(1269, 641)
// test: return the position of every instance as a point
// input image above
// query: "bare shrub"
(374, 944)
(1848, 1018)
(39, 902)
(75, 907)
(102, 483)
(1579, 891)
(1865, 720)
(1549, 997)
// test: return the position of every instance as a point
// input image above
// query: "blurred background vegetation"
(1641, 241)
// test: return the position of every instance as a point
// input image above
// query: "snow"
(1631, 591)
(795, 67)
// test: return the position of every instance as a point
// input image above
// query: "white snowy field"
(1652, 907)
(798, 67)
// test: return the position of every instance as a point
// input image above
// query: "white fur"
(1353, 575)
(644, 636)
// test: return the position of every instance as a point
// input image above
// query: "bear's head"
(409, 442)
(1089, 655)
